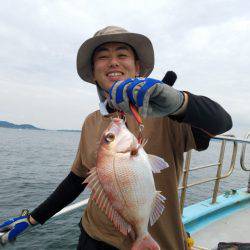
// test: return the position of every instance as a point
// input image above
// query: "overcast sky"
(207, 43)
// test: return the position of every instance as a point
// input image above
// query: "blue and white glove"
(10, 229)
(152, 97)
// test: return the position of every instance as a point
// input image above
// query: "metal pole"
(185, 179)
(218, 175)
(248, 186)
(242, 160)
(65, 210)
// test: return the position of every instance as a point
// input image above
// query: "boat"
(222, 221)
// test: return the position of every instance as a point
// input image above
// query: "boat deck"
(233, 228)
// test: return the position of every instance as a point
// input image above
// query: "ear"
(137, 68)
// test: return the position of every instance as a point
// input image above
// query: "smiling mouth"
(114, 74)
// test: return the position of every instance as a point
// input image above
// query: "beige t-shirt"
(167, 139)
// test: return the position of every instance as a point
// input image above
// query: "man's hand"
(13, 227)
(152, 97)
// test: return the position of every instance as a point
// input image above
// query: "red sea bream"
(123, 185)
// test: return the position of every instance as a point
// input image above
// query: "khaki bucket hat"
(140, 43)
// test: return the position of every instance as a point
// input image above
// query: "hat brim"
(140, 43)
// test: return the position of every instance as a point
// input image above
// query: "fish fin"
(157, 163)
(102, 201)
(157, 208)
(123, 226)
(91, 176)
(144, 142)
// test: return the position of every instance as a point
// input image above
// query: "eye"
(109, 137)
(122, 56)
(103, 57)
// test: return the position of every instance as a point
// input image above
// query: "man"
(119, 62)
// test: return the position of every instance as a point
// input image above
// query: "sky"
(205, 42)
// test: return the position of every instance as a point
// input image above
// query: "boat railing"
(223, 139)
(242, 157)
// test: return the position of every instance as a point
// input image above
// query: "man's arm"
(156, 99)
(67, 191)
(206, 117)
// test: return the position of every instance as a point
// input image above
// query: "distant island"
(5, 124)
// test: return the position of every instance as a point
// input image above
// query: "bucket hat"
(140, 43)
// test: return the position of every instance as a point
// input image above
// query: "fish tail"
(145, 242)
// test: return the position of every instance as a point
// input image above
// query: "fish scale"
(130, 176)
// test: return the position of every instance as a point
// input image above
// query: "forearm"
(205, 114)
(68, 190)
(206, 117)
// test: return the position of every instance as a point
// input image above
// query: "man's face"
(114, 62)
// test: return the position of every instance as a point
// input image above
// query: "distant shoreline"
(5, 124)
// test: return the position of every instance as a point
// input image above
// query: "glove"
(10, 229)
(152, 97)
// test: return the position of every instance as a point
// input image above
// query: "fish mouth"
(117, 120)
(116, 126)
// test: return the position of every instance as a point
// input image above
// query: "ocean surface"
(33, 163)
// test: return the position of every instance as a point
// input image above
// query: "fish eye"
(109, 137)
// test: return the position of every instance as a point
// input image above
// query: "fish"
(122, 184)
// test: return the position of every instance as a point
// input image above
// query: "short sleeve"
(78, 167)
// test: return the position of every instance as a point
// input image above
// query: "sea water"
(33, 163)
